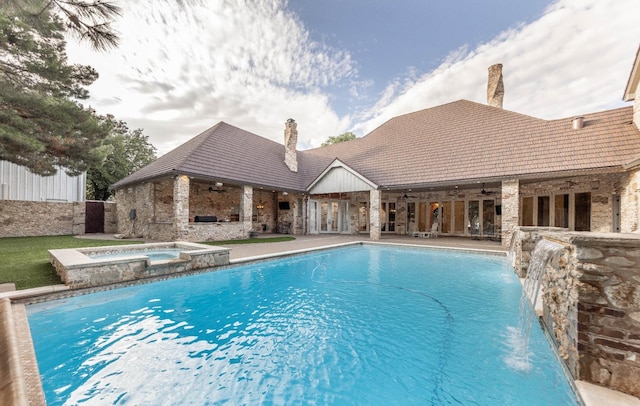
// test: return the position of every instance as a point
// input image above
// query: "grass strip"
(25, 260)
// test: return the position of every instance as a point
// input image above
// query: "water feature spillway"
(540, 257)
(542, 254)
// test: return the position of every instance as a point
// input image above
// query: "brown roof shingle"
(450, 143)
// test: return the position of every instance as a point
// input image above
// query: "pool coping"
(588, 394)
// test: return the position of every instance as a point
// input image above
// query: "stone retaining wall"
(591, 305)
(29, 219)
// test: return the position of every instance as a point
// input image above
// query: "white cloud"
(183, 66)
(575, 59)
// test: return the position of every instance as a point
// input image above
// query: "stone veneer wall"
(601, 187)
(291, 221)
(524, 244)
(591, 305)
(629, 202)
(110, 218)
(154, 204)
(141, 198)
(30, 219)
(510, 209)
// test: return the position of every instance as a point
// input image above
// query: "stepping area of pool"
(21, 383)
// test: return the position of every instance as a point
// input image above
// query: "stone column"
(374, 214)
(246, 209)
(181, 207)
(79, 216)
(510, 209)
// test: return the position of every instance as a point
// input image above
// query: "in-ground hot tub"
(97, 266)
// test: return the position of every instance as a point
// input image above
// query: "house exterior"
(465, 168)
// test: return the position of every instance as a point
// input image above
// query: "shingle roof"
(464, 140)
(453, 142)
(225, 153)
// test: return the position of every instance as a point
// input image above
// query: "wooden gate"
(94, 217)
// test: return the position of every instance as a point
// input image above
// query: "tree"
(41, 124)
(334, 139)
(86, 20)
(128, 151)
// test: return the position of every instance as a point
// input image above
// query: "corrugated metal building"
(18, 183)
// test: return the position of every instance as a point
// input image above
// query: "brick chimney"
(495, 87)
(290, 141)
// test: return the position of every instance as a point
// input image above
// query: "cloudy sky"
(335, 66)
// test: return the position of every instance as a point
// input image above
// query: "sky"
(335, 66)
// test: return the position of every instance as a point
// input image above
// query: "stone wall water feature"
(591, 304)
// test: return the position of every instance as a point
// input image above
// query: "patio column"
(181, 207)
(374, 214)
(246, 209)
(510, 209)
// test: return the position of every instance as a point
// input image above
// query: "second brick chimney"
(290, 141)
(495, 86)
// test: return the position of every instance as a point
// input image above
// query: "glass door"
(313, 217)
(333, 216)
(473, 210)
(422, 216)
(388, 217)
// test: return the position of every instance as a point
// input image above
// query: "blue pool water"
(153, 254)
(365, 325)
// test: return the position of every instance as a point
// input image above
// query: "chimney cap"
(290, 120)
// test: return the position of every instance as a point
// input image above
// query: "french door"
(329, 216)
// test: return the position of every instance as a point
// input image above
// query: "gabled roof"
(634, 79)
(341, 178)
(225, 153)
(458, 142)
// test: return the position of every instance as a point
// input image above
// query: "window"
(527, 211)
(583, 212)
(445, 227)
(458, 227)
(543, 211)
(561, 211)
(488, 216)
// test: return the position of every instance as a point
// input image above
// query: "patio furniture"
(205, 219)
(431, 234)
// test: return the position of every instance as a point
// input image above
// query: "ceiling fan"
(406, 196)
(486, 192)
(217, 188)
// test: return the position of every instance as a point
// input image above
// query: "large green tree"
(87, 20)
(42, 125)
(126, 152)
(334, 139)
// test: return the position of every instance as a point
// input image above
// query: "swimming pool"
(357, 325)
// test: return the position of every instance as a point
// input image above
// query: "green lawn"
(25, 260)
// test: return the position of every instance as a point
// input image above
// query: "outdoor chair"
(431, 234)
